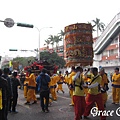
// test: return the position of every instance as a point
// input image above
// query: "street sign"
(8, 22)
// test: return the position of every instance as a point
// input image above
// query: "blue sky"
(49, 13)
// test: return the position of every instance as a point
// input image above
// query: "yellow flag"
(10, 63)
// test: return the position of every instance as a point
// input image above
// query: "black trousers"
(44, 95)
(13, 102)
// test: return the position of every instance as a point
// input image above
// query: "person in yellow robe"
(104, 86)
(60, 81)
(70, 84)
(53, 86)
(31, 94)
(94, 94)
(78, 94)
(66, 77)
(86, 79)
(25, 89)
(116, 86)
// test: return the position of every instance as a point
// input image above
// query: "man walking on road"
(43, 87)
(15, 83)
(78, 94)
(31, 95)
(94, 94)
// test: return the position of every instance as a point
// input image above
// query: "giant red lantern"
(79, 44)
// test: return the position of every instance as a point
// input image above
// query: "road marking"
(109, 95)
(55, 101)
(64, 97)
(26, 106)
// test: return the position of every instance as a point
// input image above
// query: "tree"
(99, 25)
(24, 61)
(47, 43)
(62, 34)
(52, 58)
(57, 39)
(92, 27)
(51, 38)
(4, 66)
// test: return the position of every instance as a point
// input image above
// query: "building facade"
(110, 57)
(59, 50)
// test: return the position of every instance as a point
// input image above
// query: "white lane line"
(64, 97)
(23, 105)
(109, 95)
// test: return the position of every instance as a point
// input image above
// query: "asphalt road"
(59, 110)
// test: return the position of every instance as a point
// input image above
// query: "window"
(115, 41)
(105, 53)
(113, 51)
(61, 50)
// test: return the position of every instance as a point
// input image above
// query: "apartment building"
(59, 50)
(110, 57)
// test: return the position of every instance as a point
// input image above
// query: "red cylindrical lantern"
(79, 44)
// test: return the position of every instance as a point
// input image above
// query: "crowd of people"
(9, 92)
(86, 88)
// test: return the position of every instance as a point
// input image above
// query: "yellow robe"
(102, 84)
(70, 83)
(52, 86)
(59, 79)
(116, 88)
(1, 99)
(31, 94)
(25, 87)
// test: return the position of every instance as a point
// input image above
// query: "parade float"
(36, 67)
(79, 44)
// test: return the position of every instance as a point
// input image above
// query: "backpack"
(43, 83)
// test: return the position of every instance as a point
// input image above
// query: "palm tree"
(100, 25)
(57, 39)
(47, 43)
(92, 27)
(62, 34)
(51, 38)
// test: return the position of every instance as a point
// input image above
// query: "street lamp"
(39, 30)
(8, 22)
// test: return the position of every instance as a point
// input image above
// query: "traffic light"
(13, 50)
(25, 25)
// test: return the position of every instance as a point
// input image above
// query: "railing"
(117, 17)
(110, 64)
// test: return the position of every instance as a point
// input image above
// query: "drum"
(79, 44)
